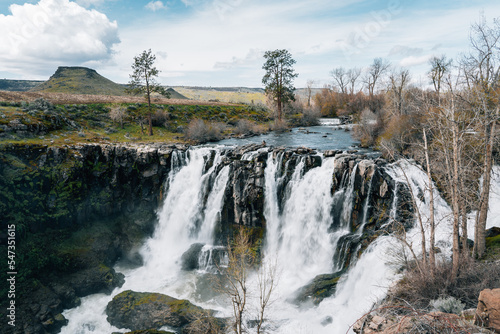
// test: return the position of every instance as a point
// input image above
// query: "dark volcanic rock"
(142, 310)
(95, 280)
(190, 257)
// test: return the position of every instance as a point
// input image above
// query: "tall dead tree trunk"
(432, 251)
(480, 228)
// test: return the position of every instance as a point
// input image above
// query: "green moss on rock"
(321, 287)
(143, 310)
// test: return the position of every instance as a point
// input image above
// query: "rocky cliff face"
(81, 208)
(77, 210)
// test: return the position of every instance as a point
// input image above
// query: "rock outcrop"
(488, 310)
(142, 310)
(434, 322)
(77, 209)
(321, 287)
(190, 258)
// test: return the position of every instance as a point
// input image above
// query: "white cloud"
(228, 50)
(414, 61)
(250, 58)
(155, 5)
(52, 33)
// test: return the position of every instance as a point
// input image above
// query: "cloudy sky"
(221, 42)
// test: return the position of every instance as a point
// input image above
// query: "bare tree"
(267, 280)
(374, 73)
(399, 81)
(440, 66)
(309, 84)
(353, 75)
(235, 284)
(341, 79)
(482, 72)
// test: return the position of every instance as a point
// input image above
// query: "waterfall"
(299, 235)
(182, 220)
(308, 232)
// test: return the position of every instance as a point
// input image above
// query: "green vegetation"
(278, 79)
(40, 122)
(493, 248)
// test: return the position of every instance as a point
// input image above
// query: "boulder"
(434, 322)
(189, 260)
(143, 310)
(101, 279)
(55, 323)
(321, 287)
(488, 309)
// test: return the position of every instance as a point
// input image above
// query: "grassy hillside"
(224, 94)
(235, 94)
(42, 122)
(79, 80)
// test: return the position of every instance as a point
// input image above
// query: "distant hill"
(224, 94)
(235, 94)
(18, 85)
(176, 95)
(79, 80)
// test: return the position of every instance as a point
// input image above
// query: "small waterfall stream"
(305, 223)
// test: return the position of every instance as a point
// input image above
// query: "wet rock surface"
(142, 310)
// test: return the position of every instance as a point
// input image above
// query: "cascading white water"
(300, 236)
(349, 192)
(181, 223)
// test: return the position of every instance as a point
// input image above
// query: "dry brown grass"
(63, 98)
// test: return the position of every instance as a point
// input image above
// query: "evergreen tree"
(143, 81)
(278, 79)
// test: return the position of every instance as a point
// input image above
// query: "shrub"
(447, 305)
(280, 125)
(310, 117)
(118, 115)
(244, 127)
(419, 290)
(160, 118)
(201, 131)
(39, 104)
(369, 127)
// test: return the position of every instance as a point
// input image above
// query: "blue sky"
(221, 42)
